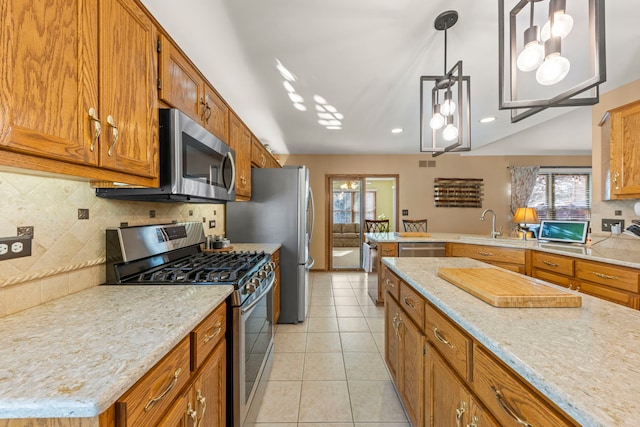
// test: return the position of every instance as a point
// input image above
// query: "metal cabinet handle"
(192, 414)
(615, 179)
(549, 263)
(389, 283)
(603, 276)
(485, 253)
(232, 186)
(205, 115)
(207, 338)
(162, 395)
(474, 422)
(460, 412)
(93, 116)
(202, 401)
(407, 302)
(507, 409)
(114, 131)
(441, 338)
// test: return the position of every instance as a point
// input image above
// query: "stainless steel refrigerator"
(280, 211)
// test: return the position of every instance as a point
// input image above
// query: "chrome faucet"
(494, 232)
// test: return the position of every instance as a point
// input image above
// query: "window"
(346, 206)
(562, 193)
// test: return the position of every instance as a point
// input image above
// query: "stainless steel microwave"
(195, 166)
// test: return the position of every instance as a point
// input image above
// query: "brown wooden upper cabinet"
(78, 90)
(240, 141)
(625, 151)
(181, 86)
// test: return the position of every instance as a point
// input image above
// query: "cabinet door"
(128, 94)
(412, 354)
(216, 114)
(49, 80)
(447, 400)
(180, 414)
(625, 151)
(391, 335)
(209, 389)
(240, 141)
(180, 83)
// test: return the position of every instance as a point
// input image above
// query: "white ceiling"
(365, 57)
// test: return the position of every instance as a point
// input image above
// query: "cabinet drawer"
(550, 277)
(207, 335)
(391, 282)
(555, 263)
(616, 277)
(412, 302)
(452, 343)
(507, 397)
(609, 294)
(488, 253)
(150, 397)
(387, 249)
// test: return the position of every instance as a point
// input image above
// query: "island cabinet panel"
(625, 151)
(553, 268)
(609, 275)
(78, 90)
(510, 400)
(405, 357)
(448, 401)
(391, 282)
(513, 259)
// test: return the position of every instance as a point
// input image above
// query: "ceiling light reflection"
(300, 107)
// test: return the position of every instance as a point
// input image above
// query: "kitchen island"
(582, 360)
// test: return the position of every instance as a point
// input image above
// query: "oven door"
(252, 350)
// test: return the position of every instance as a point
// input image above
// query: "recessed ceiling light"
(487, 119)
(397, 130)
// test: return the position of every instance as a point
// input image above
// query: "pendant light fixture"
(560, 65)
(445, 124)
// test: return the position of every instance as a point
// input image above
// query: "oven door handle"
(243, 310)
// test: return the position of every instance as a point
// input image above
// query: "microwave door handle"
(233, 173)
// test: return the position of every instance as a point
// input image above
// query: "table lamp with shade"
(525, 216)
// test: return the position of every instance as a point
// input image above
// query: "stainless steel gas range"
(171, 254)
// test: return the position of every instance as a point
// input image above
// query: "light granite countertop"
(73, 357)
(621, 250)
(586, 360)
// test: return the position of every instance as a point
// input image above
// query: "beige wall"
(68, 254)
(416, 187)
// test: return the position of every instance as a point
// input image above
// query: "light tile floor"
(329, 370)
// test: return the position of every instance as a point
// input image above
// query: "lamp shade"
(525, 216)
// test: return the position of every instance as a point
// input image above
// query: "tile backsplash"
(68, 253)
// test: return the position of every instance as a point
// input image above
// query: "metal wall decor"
(458, 192)
(551, 54)
(445, 122)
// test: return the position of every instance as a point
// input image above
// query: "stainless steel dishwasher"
(421, 249)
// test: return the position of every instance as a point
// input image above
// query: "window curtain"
(523, 180)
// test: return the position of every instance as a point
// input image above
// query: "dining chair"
(376, 225)
(416, 225)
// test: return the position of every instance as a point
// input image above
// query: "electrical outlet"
(190, 212)
(607, 223)
(25, 231)
(83, 213)
(405, 212)
(212, 223)
(152, 213)
(15, 247)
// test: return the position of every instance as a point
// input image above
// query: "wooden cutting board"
(506, 289)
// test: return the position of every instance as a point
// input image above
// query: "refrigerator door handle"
(312, 213)
(310, 262)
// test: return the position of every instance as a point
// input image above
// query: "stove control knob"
(250, 288)
(255, 282)
(262, 274)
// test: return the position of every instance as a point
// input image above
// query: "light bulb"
(554, 68)
(450, 132)
(448, 106)
(437, 121)
(531, 57)
(562, 26)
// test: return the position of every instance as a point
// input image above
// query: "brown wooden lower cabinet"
(512, 259)
(460, 382)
